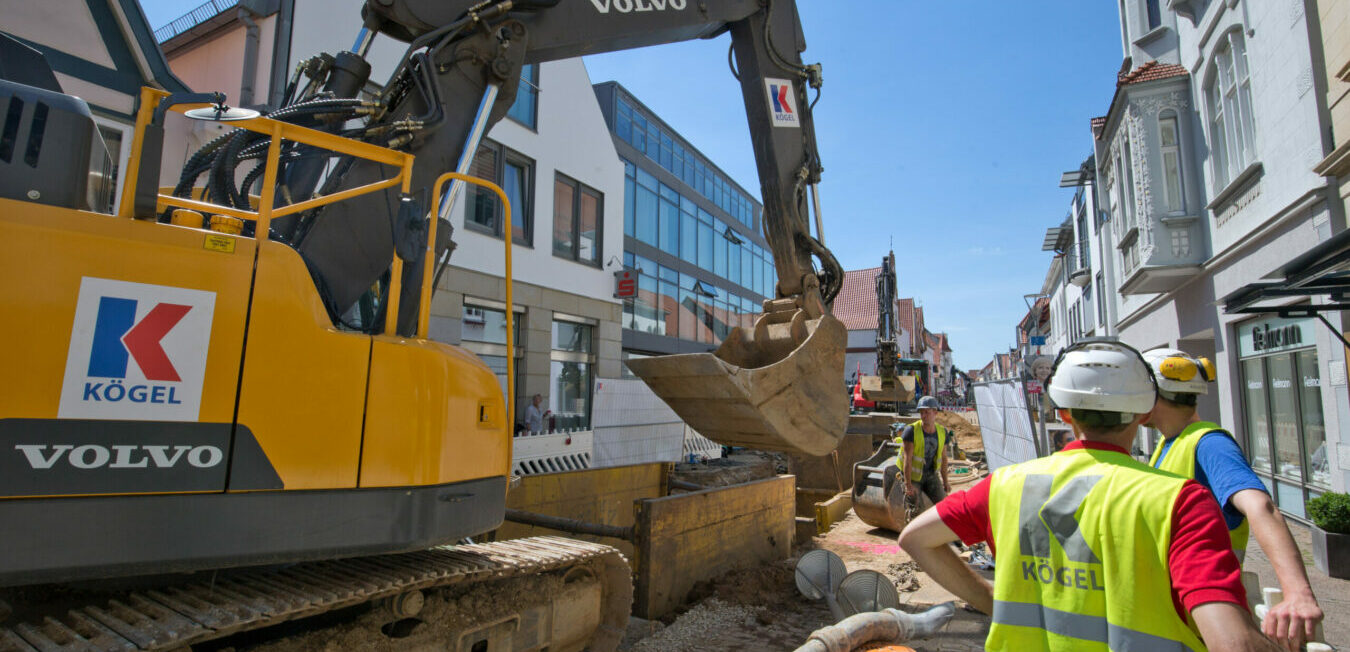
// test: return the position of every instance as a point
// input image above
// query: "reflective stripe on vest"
(1083, 540)
(1181, 459)
(916, 461)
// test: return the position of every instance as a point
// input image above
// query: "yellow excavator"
(230, 379)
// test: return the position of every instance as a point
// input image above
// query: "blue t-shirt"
(1221, 468)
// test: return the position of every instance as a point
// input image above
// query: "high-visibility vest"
(916, 461)
(1180, 459)
(1082, 539)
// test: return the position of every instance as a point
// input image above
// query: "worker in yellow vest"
(923, 457)
(1202, 450)
(1095, 550)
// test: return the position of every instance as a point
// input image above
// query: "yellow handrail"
(278, 131)
(429, 262)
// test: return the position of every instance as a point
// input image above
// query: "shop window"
(483, 333)
(1309, 385)
(571, 375)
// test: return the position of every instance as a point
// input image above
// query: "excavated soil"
(967, 433)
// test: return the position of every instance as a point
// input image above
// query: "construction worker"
(1202, 450)
(1098, 551)
(923, 460)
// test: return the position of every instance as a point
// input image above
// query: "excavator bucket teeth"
(896, 390)
(778, 388)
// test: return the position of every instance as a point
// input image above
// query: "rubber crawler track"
(169, 618)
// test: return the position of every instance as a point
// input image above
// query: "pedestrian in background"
(1206, 452)
(534, 416)
(1095, 549)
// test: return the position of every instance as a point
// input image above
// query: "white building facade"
(1204, 169)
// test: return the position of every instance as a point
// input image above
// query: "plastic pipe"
(891, 625)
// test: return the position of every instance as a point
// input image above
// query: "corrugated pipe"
(249, 79)
(569, 525)
(890, 626)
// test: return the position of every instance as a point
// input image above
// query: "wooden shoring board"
(689, 538)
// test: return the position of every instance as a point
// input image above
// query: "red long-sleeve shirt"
(1200, 557)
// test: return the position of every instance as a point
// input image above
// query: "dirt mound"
(967, 433)
(770, 585)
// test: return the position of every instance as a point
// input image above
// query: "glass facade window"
(483, 332)
(525, 109)
(571, 375)
(663, 148)
(578, 221)
(1282, 401)
(513, 172)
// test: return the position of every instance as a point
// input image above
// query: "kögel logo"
(1265, 337)
(94, 456)
(627, 6)
(782, 103)
(137, 351)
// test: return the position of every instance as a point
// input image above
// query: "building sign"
(1274, 335)
(625, 284)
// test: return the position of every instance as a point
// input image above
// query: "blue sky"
(943, 128)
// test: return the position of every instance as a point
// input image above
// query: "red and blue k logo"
(778, 94)
(118, 335)
(137, 351)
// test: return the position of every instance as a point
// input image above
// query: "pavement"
(1332, 594)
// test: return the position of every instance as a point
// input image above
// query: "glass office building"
(691, 234)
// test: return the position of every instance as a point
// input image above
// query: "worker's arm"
(926, 539)
(1226, 626)
(907, 454)
(1293, 621)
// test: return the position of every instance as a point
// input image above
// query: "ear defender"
(1184, 368)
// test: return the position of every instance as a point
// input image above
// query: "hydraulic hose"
(891, 625)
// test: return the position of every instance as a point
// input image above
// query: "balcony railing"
(204, 12)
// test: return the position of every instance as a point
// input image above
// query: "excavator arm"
(776, 387)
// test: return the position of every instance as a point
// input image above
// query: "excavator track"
(178, 616)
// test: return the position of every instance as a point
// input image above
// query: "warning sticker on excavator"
(222, 243)
(137, 352)
(782, 102)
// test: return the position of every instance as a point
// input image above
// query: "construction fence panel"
(1005, 423)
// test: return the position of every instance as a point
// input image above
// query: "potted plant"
(1330, 514)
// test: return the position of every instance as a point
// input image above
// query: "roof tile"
(856, 304)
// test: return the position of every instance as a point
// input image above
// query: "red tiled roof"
(945, 345)
(856, 304)
(1151, 71)
(904, 313)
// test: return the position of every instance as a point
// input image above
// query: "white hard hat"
(1102, 375)
(1178, 372)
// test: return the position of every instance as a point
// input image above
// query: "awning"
(1323, 271)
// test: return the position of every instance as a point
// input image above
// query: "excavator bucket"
(895, 390)
(779, 387)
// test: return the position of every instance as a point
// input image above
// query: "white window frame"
(1173, 201)
(1228, 101)
(124, 156)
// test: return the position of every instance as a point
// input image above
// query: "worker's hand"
(946, 486)
(910, 490)
(1293, 621)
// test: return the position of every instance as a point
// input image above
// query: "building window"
(577, 220)
(1087, 308)
(1171, 160)
(1228, 99)
(512, 171)
(483, 332)
(571, 375)
(1154, 14)
(105, 197)
(1101, 300)
(1181, 242)
(525, 109)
